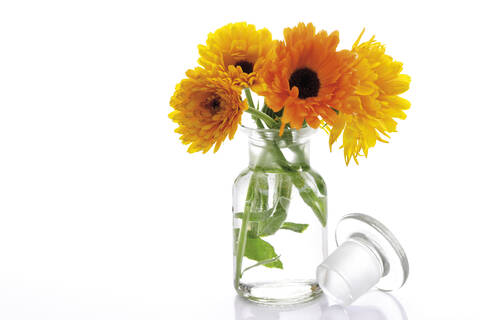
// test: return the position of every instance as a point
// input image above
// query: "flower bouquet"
(307, 83)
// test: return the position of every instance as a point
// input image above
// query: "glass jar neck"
(268, 151)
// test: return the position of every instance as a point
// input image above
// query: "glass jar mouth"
(267, 134)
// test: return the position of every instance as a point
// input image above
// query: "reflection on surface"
(374, 305)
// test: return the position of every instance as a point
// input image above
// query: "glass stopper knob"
(367, 255)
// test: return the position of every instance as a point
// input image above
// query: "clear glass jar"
(279, 219)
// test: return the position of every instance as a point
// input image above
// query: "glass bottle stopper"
(367, 255)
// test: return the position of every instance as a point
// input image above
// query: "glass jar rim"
(259, 136)
(303, 132)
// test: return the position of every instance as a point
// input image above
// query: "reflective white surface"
(374, 305)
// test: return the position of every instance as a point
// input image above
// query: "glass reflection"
(374, 305)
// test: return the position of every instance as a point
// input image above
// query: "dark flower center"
(246, 66)
(215, 104)
(306, 81)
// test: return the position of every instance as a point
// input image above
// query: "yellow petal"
(396, 86)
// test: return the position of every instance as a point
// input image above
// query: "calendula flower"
(208, 108)
(302, 75)
(236, 48)
(368, 116)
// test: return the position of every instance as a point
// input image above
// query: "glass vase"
(279, 219)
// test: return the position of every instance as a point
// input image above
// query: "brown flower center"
(246, 66)
(214, 104)
(307, 82)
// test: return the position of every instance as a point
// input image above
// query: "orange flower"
(367, 116)
(208, 108)
(302, 75)
(235, 48)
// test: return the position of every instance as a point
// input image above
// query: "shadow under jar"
(279, 219)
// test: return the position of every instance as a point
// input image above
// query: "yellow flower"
(236, 48)
(208, 108)
(367, 116)
(302, 76)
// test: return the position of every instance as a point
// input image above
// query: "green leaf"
(272, 224)
(259, 200)
(259, 250)
(256, 216)
(267, 222)
(295, 227)
(261, 263)
(322, 188)
(317, 203)
(283, 191)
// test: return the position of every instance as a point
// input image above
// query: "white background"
(104, 215)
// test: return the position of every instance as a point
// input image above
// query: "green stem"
(242, 238)
(251, 106)
(259, 114)
(300, 155)
(248, 94)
